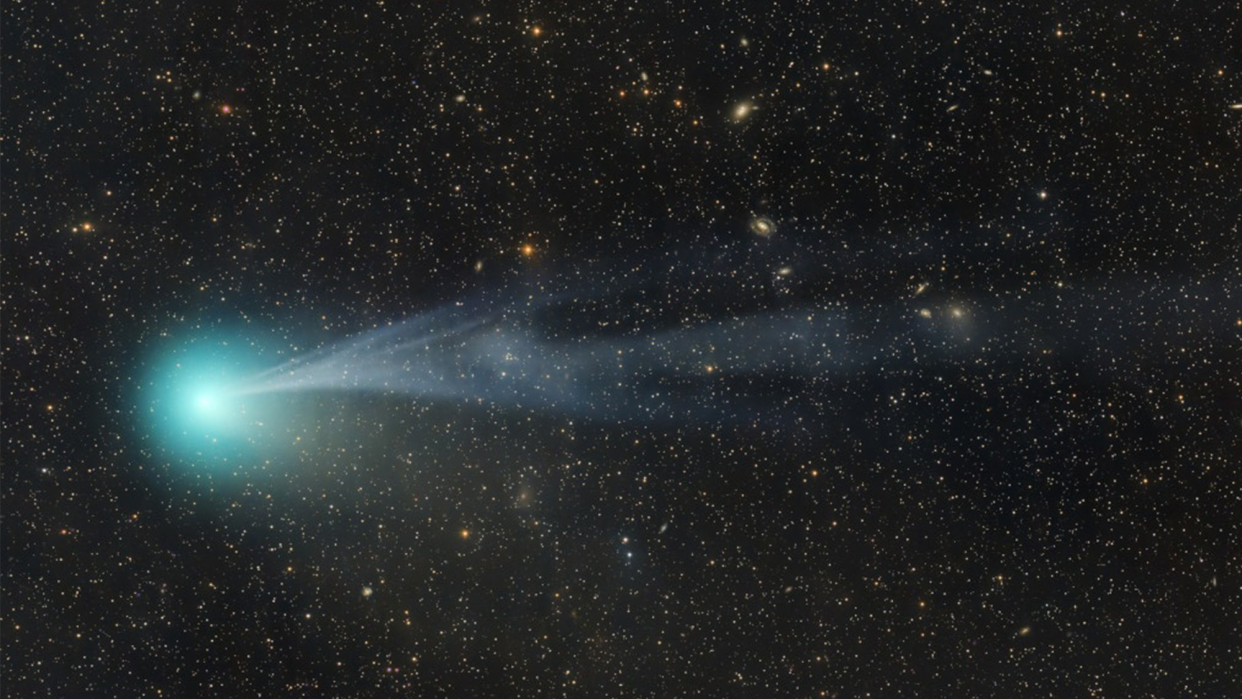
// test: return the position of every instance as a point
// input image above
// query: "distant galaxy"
(762, 226)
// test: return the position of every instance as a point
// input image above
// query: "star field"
(842, 350)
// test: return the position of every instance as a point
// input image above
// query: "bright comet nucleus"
(211, 406)
(197, 408)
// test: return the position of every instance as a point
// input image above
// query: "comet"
(631, 353)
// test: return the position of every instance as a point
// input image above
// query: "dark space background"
(1053, 511)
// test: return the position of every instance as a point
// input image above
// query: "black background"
(1000, 522)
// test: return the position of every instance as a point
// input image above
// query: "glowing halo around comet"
(197, 413)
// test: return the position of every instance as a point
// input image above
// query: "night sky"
(777, 350)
